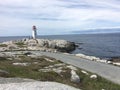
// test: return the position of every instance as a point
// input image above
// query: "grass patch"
(3, 45)
(3, 59)
(20, 44)
(96, 84)
(32, 71)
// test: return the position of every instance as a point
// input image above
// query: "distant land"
(95, 31)
(79, 31)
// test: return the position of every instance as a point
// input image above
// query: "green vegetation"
(35, 64)
(96, 84)
(20, 44)
(3, 45)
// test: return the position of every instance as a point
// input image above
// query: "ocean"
(99, 45)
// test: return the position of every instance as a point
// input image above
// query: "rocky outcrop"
(39, 44)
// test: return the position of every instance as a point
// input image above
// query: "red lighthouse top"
(34, 28)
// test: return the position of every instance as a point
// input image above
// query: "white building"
(34, 32)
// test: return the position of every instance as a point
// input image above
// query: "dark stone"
(27, 53)
(69, 48)
(115, 59)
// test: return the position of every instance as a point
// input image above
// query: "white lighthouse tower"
(34, 32)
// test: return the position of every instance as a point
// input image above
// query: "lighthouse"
(34, 32)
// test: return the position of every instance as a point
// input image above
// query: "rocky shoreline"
(113, 61)
(39, 45)
(54, 46)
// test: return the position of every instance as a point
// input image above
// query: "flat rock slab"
(14, 80)
(36, 85)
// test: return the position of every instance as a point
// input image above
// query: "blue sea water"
(100, 45)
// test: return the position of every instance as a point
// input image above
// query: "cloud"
(58, 15)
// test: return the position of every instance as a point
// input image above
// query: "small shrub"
(20, 44)
(3, 45)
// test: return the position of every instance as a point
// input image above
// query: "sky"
(58, 16)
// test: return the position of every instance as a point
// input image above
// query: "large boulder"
(31, 42)
(74, 77)
(64, 46)
(43, 43)
(59, 45)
